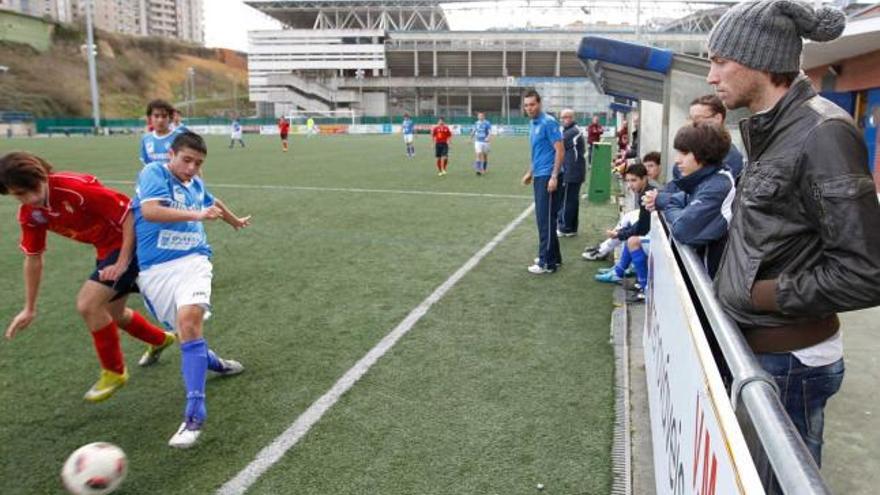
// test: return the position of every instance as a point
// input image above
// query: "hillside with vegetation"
(131, 71)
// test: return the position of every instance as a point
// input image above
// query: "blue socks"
(623, 262)
(214, 363)
(194, 368)
(640, 263)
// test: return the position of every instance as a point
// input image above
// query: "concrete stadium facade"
(384, 58)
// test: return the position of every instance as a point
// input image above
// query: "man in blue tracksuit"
(574, 169)
(697, 205)
(547, 156)
(709, 108)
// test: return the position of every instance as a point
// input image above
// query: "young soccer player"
(283, 130)
(482, 134)
(408, 128)
(441, 135)
(236, 134)
(177, 121)
(155, 144)
(175, 262)
(79, 207)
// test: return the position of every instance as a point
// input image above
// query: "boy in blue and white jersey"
(409, 129)
(156, 143)
(177, 124)
(236, 134)
(174, 258)
(482, 133)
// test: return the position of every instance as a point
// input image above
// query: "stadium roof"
(860, 36)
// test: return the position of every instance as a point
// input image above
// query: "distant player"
(79, 207)
(311, 128)
(156, 143)
(408, 128)
(482, 134)
(283, 130)
(175, 266)
(236, 133)
(177, 121)
(441, 135)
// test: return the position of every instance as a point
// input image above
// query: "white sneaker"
(187, 435)
(539, 270)
(230, 367)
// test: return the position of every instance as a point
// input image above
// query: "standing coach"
(547, 155)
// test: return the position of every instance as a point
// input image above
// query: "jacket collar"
(569, 126)
(690, 182)
(760, 128)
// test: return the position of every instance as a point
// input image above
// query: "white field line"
(349, 190)
(272, 453)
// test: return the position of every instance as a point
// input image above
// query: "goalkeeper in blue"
(170, 205)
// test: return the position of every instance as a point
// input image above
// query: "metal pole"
(638, 20)
(93, 76)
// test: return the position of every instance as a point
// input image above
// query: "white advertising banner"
(699, 448)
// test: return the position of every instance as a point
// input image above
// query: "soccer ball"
(94, 469)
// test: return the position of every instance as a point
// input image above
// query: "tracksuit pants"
(546, 208)
(569, 207)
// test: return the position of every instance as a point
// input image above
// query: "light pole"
(93, 76)
(191, 89)
(359, 75)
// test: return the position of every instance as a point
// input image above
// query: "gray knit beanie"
(766, 34)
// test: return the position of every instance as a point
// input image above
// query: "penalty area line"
(273, 453)
(349, 190)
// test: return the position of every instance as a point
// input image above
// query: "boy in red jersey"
(283, 129)
(441, 135)
(79, 207)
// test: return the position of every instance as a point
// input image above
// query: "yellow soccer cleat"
(107, 385)
(151, 355)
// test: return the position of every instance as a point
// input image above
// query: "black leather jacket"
(806, 218)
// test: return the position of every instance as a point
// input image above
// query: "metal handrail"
(754, 389)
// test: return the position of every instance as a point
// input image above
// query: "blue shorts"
(126, 284)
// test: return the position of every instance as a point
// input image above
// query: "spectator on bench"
(696, 206)
(601, 251)
(631, 235)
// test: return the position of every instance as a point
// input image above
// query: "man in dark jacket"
(804, 240)
(574, 168)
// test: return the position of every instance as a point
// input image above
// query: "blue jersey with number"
(408, 126)
(482, 129)
(155, 148)
(161, 242)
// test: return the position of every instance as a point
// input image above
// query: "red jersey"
(284, 127)
(441, 134)
(80, 208)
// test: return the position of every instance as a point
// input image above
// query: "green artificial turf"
(504, 384)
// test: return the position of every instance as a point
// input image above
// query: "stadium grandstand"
(380, 58)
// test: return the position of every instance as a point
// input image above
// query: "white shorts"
(168, 286)
(481, 147)
(408, 138)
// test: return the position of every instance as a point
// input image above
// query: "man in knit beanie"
(804, 240)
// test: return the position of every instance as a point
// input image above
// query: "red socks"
(142, 329)
(439, 164)
(107, 346)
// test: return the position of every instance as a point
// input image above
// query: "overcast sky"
(228, 21)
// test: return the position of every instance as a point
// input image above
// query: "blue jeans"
(546, 208)
(803, 391)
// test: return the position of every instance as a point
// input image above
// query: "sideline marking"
(349, 190)
(272, 453)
